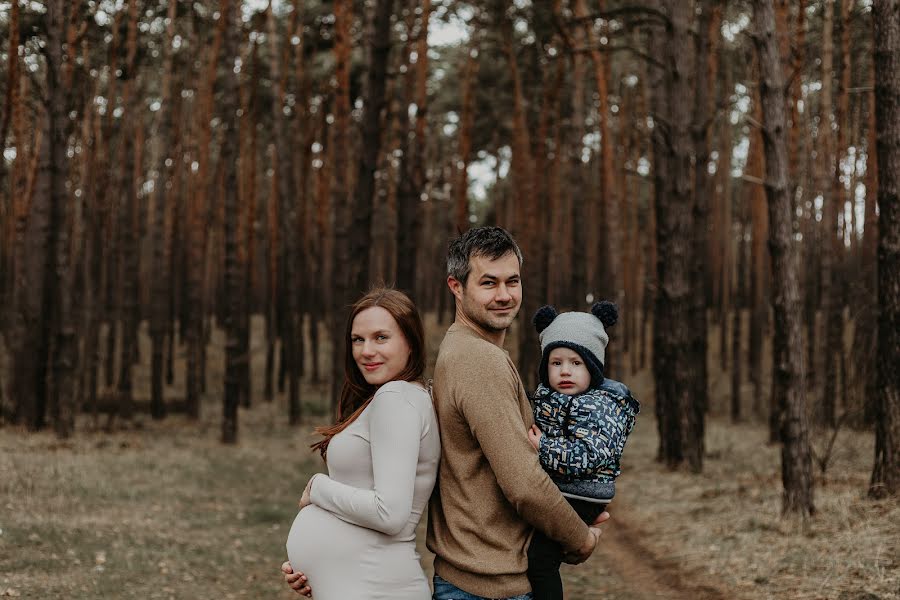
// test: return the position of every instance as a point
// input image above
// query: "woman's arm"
(394, 433)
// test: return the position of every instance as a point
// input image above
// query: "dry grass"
(725, 525)
(162, 510)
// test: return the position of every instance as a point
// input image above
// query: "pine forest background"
(726, 171)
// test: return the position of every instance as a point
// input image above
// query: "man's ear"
(456, 288)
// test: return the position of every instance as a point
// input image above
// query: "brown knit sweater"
(491, 489)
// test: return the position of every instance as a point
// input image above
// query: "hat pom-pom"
(543, 317)
(607, 312)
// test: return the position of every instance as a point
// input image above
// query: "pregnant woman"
(354, 536)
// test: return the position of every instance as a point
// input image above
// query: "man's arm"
(493, 415)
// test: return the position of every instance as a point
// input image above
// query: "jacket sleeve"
(494, 417)
(395, 429)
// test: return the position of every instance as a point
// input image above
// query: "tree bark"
(830, 209)
(340, 198)
(234, 290)
(886, 470)
(161, 191)
(673, 362)
(795, 455)
(378, 47)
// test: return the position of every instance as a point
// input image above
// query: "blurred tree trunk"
(795, 455)
(10, 103)
(725, 242)
(759, 256)
(527, 196)
(578, 203)
(162, 191)
(830, 157)
(886, 470)
(32, 332)
(467, 122)
(865, 332)
(340, 192)
(234, 290)
(607, 278)
(273, 243)
(61, 268)
(128, 243)
(246, 232)
(378, 48)
(833, 301)
(738, 305)
(413, 174)
(290, 330)
(197, 236)
(708, 17)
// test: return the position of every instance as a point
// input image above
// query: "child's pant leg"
(544, 558)
(588, 511)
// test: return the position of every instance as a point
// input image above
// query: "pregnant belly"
(320, 543)
(342, 560)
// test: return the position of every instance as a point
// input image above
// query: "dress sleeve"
(395, 429)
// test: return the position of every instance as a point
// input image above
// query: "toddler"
(581, 423)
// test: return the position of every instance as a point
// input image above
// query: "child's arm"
(593, 440)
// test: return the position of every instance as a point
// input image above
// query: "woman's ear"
(543, 317)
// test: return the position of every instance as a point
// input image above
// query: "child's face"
(567, 372)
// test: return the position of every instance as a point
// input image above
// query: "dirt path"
(625, 569)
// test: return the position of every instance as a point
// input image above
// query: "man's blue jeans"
(444, 590)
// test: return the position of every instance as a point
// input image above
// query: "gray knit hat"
(585, 333)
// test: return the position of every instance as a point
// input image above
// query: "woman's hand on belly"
(296, 580)
(305, 499)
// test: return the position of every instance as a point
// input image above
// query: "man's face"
(492, 294)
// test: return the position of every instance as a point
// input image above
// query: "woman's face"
(379, 348)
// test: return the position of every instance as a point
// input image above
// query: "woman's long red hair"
(356, 392)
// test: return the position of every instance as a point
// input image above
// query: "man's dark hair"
(490, 242)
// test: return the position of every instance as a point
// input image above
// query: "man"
(491, 489)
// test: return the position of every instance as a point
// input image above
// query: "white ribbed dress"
(357, 538)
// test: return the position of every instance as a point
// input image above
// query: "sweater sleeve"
(394, 435)
(583, 450)
(493, 415)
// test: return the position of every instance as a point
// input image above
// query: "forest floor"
(163, 510)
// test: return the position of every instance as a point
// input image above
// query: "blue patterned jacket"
(584, 434)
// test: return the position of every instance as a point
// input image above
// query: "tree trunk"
(795, 455)
(378, 47)
(60, 290)
(673, 362)
(527, 197)
(234, 290)
(467, 122)
(886, 471)
(865, 333)
(127, 275)
(197, 235)
(413, 180)
(340, 199)
(830, 209)
(159, 316)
